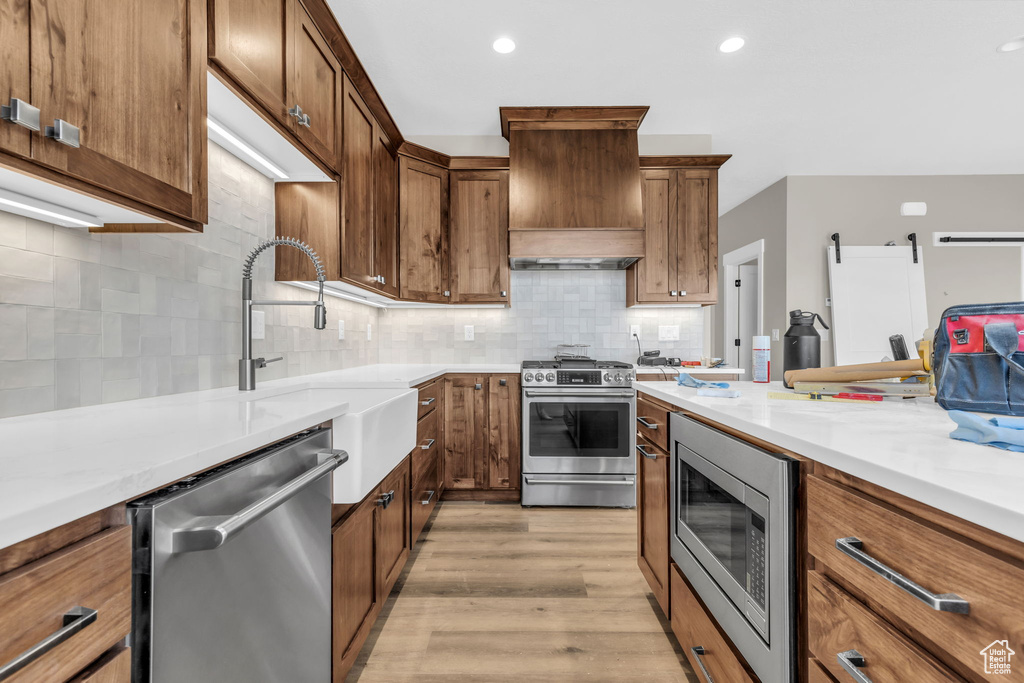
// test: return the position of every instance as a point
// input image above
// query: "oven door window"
(564, 429)
(718, 519)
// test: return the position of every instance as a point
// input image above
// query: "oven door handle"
(581, 394)
(611, 482)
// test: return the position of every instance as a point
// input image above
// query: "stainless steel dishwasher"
(232, 570)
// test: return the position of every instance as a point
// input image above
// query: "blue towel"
(1002, 432)
(684, 380)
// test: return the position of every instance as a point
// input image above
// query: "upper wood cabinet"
(274, 52)
(385, 213)
(479, 236)
(423, 230)
(680, 264)
(121, 91)
(308, 212)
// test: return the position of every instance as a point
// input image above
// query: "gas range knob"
(550, 377)
(528, 377)
(607, 377)
(618, 378)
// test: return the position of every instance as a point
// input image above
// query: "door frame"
(731, 262)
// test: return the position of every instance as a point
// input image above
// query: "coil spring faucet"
(247, 365)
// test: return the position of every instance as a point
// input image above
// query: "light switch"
(824, 335)
(668, 333)
(369, 331)
(775, 335)
(259, 325)
(470, 332)
(341, 329)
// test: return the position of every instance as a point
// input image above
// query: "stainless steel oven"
(732, 533)
(578, 439)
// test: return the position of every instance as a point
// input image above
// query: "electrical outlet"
(775, 335)
(668, 333)
(470, 332)
(824, 335)
(828, 302)
(369, 331)
(259, 325)
(634, 330)
(341, 330)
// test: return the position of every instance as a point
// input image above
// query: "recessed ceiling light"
(731, 44)
(1015, 44)
(504, 45)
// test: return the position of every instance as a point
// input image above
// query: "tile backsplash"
(88, 319)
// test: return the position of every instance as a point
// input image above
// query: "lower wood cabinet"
(652, 513)
(482, 437)
(113, 667)
(370, 546)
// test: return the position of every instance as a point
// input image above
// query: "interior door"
(746, 297)
(423, 227)
(385, 212)
(696, 246)
(479, 236)
(130, 76)
(465, 441)
(656, 272)
(14, 72)
(314, 84)
(357, 240)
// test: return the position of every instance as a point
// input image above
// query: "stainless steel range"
(579, 434)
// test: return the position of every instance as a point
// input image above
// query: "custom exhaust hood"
(575, 195)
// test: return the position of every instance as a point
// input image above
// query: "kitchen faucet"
(247, 365)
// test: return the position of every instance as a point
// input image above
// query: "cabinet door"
(131, 77)
(465, 427)
(309, 212)
(354, 586)
(697, 235)
(654, 276)
(479, 236)
(652, 503)
(393, 528)
(14, 72)
(385, 212)
(314, 84)
(357, 240)
(249, 41)
(503, 420)
(423, 226)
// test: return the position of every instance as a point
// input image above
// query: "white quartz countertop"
(902, 445)
(58, 466)
(688, 370)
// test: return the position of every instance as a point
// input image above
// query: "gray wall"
(865, 210)
(763, 216)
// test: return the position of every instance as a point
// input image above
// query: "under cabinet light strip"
(245, 149)
(17, 201)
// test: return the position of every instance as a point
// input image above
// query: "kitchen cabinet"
(385, 212)
(652, 504)
(680, 263)
(423, 230)
(274, 52)
(393, 524)
(307, 212)
(426, 457)
(120, 87)
(479, 236)
(482, 437)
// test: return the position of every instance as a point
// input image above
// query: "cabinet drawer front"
(652, 422)
(428, 444)
(424, 498)
(113, 667)
(837, 624)
(430, 397)
(697, 632)
(939, 563)
(94, 574)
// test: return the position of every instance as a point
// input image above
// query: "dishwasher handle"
(207, 533)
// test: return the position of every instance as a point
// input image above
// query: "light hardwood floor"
(497, 592)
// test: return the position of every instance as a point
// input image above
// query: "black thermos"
(801, 347)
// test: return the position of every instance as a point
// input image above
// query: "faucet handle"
(262, 362)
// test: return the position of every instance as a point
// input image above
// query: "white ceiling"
(838, 87)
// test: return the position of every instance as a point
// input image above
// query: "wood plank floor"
(497, 592)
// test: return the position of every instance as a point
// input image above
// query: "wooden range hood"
(575, 195)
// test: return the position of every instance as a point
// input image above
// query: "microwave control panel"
(756, 547)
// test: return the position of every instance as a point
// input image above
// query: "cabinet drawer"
(816, 672)
(837, 623)
(430, 397)
(428, 444)
(425, 493)
(114, 667)
(652, 422)
(696, 630)
(61, 590)
(933, 560)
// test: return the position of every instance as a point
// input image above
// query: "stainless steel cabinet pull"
(645, 423)
(428, 445)
(946, 602)
(699, 652)
(207, 533)
(478, 386)
(674, 292)
(21, 113)
(428, 401)
(643, 452)
(430, 496)
(613, 482)
(64, 133)
(503, 382)
(447, 292)
(853, 661)
(504, 293)
(386, 499)
(304, 120)
(296, 113)
(75, 620)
